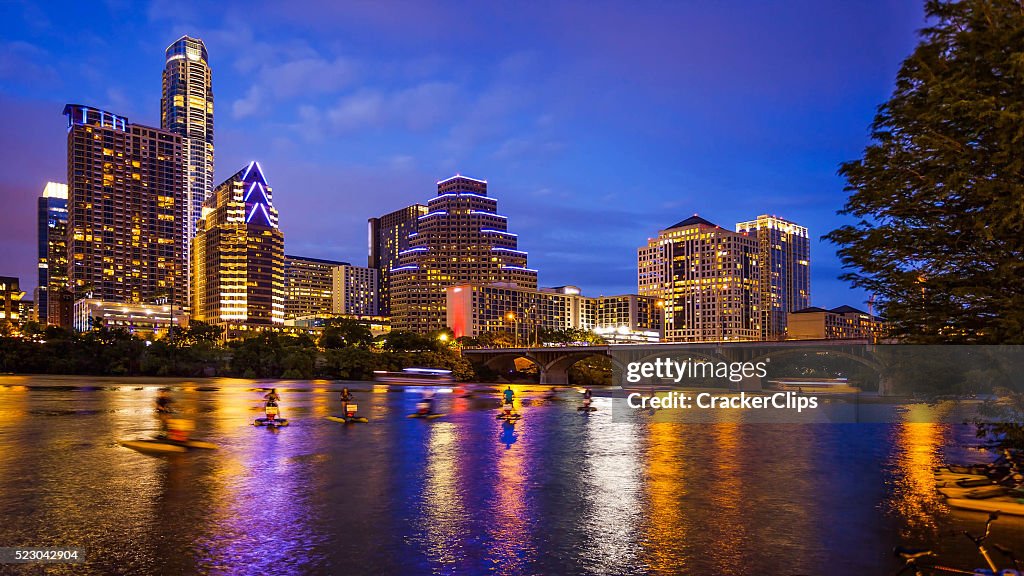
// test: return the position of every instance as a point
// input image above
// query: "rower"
(346, 397)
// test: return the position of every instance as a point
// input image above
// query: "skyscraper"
(308, 286)
(784, 252)
(708, 279)
(126, 209)
(186, 108)
(355, 291)
(238, 254)
(52, 219)
(389, 235)
(461, 238)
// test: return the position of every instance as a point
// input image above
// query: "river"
(561, 492)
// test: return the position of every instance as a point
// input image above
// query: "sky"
(596, 124)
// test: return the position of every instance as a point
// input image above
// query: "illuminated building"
(460, 239)
(10, 296)
(354, 290)
(628, 318)
(389, 236)
(476, 308)
(139, 319)
(314, 324)
(844, 322)
(126, 209)
(52, 218)
(238, 255)
(708, 279)
(309, 286)
(186, 108)
(784, 253)
(26, 311)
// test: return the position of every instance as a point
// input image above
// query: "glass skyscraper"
(238, 254)
(125, 209)
(186, 108)
(784, 251)
(389, 236)
(52, 217)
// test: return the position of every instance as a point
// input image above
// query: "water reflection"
(612, 487)
(509, 531)
(560, 492)
(666, 529)
(442, 503)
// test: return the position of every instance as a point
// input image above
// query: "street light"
(515, 326)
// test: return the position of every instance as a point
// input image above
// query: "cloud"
(21, 63)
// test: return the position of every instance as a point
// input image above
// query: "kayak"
(424, 416)
(952, 478)
(166, 446)
(509, 417)
(1003, 504)
(344, 420)
(974, 493)
(275, 423)
(586, 409)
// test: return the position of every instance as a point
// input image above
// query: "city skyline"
(568, 200)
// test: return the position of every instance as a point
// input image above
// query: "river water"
(561, 492)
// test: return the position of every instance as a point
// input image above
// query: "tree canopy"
(939, 193)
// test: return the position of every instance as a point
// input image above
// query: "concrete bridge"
(553, 362)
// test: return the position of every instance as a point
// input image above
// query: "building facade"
(186, 109)
(708, 280)
(238, 255)
(10, 298)
(527, 312)
(461, 239)
(842, 323)
(389, 237)
(144, 320)
(355, 291)
(126, 209)
(309, 286)
(52, 253)
(784, 255)
(628, 318)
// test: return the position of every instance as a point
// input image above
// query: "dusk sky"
(596, 124)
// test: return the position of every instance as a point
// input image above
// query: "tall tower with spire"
(186, 108)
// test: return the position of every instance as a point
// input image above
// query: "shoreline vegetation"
(344, 350)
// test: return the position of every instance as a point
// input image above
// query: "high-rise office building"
(238, 254)
(461, 238)
(308, 286)
(708, 280)
(186, 108)
(355, 291)
(389, 236)
(126, 209)
(52, 220)
(784, 253)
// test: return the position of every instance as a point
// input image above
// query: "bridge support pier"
(885, 385)
(752, 384)
(554, 376)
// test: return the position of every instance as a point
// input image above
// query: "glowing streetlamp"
(515, 325)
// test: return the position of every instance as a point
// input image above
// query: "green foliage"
(195, 352)
(938, 193)
(570, 336)
(343, 332)
(592, 371)
(397, 341)
(1004, 420)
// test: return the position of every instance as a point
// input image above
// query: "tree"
(939, 193)
(342, 332)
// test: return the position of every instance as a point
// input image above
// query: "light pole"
(515, 326)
